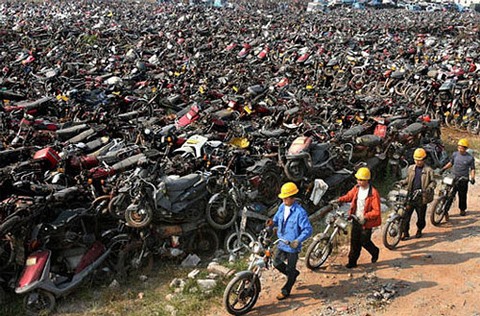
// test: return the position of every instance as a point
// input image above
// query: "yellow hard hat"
(463, 142)
(419, 154)
(287, 190)
(363, 174)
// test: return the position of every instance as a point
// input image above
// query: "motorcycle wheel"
(39, 303)
(143, 108)
(295, 175)
(269, 187)
(129, 260)
(392, 233)
(203, 242)
(7, 226)
(438, 211)
(317, 253)
(139, 218)
(241, 294)
(233, 245)
(222, 212)
(118, 204)
(7, 252)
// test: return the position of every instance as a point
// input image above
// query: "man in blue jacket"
(294, 228)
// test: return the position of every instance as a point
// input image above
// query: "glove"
(472, 181)
(334, 201)
(294, 244)
(442, 171)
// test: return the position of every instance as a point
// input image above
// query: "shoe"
(281, 296)
(463, 213)
(418, 234)
(350, 265)
(405, 237)
(375, 256)
(447, 217)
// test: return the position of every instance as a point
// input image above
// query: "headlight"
(448, 180)
(256, 248)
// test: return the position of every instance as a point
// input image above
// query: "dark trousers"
(359, 238)
(289, 269)
(462, 188)
(421, 210)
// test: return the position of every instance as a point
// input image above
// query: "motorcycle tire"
(317, 253)
(203, 242)
(138, 219)
(118, 205)
(244, 289)
(128, 260)
(39, 303)
(222, 212)
(269, 187)
(437, 212)
(143, 108)
(295, 175)
(7, 225)
(232, 244)
(392, 232)
(7, 253)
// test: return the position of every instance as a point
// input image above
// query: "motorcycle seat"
(181, 183)
(433, 124)
(273, 132)
(369, 140)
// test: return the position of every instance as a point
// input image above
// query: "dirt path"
(437, 274)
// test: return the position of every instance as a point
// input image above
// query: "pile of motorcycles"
(141, 131)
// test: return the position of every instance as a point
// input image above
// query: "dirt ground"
(437, 274)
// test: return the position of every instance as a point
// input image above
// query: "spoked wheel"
(39, 303)
(143, 108)
(131, 260)
(269, 187)
(241, 294)
(317, 253)
(203, 242)
(222, 212)
(139, 216)
(438, 211)
(392, 234)
(233, 244)
(118, 204)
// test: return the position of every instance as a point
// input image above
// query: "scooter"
(70, 252)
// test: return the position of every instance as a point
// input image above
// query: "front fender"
(393, 216)
(249, 274)
(319, 236)
(214, 197)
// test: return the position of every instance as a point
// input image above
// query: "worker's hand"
(294, 244)
(472, 181)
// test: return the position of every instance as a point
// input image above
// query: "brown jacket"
(428, 182)
(372, 213)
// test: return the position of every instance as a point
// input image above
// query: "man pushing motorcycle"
(293, 226)
(463, 164)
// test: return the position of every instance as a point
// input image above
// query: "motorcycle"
(323, 243)
(72, 249)
(305, 157)
(446, 196)
(175, 199)
(393, 230)
(243, 290)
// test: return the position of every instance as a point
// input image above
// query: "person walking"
(421, 185)
(463, 164)
(293, 226)
(365, 206)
